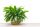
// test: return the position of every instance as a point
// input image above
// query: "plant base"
(15, 22)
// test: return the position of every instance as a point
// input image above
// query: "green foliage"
(14, 13)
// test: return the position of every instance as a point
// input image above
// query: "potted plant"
(14, 14)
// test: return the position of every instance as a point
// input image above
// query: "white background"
(32, 5)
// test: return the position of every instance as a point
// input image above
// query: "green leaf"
(12, 12)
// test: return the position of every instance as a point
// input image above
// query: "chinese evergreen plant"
(14, 14)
